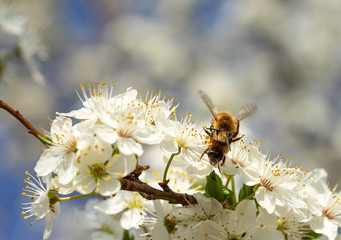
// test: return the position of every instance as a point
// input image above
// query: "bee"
(223, 131)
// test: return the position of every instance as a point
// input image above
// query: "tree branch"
(23, 121)
(133, 184)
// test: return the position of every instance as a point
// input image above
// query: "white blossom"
(326, 207)
(285, 221)
(40, 205)
(278, 184)
(99, 170)
(186, 138)
(129, 204)
(100, 103)
(237, 157)
(237, 224)
(60, 157)
(104, 227)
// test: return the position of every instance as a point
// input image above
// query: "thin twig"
(23, 121)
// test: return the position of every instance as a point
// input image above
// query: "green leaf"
(214, 186)
(244, 192)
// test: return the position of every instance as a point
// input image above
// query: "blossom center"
(170, 225)
(327, 212)
(134, 203)
(235, 162)
(98, 170)
(181, 142)
(267, 183)
(71, 146)
(235, 236)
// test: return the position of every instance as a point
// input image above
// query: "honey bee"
(223, 131)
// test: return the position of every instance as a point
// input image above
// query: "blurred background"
(282, 55)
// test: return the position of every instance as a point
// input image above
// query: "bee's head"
(215, 157)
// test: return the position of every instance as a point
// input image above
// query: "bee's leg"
(214, 129)
(222, 163)
(207, 131)
(203, 153)
(236, 134)
(236, 139)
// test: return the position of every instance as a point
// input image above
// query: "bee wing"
(207, 100)
(246, 111)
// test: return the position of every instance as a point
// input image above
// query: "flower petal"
(48, 226)
(169, 145)
(47, 163)
(123, 164)
(133, 218)
(129, 146)
(108, 187)
(107, 134)
(84, 183)
(148, 135)
(111, 206)
(210, 205)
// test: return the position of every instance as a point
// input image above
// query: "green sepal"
(228, 196)
(115, 150)
(53, 197)
(311, 235)
(126, 235)
(47, 138)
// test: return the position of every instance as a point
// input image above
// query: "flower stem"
(248, 197)
(76, 197)
(233, 190)
(169, 163)
(228, 179)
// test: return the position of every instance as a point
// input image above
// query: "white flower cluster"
(92, 156)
